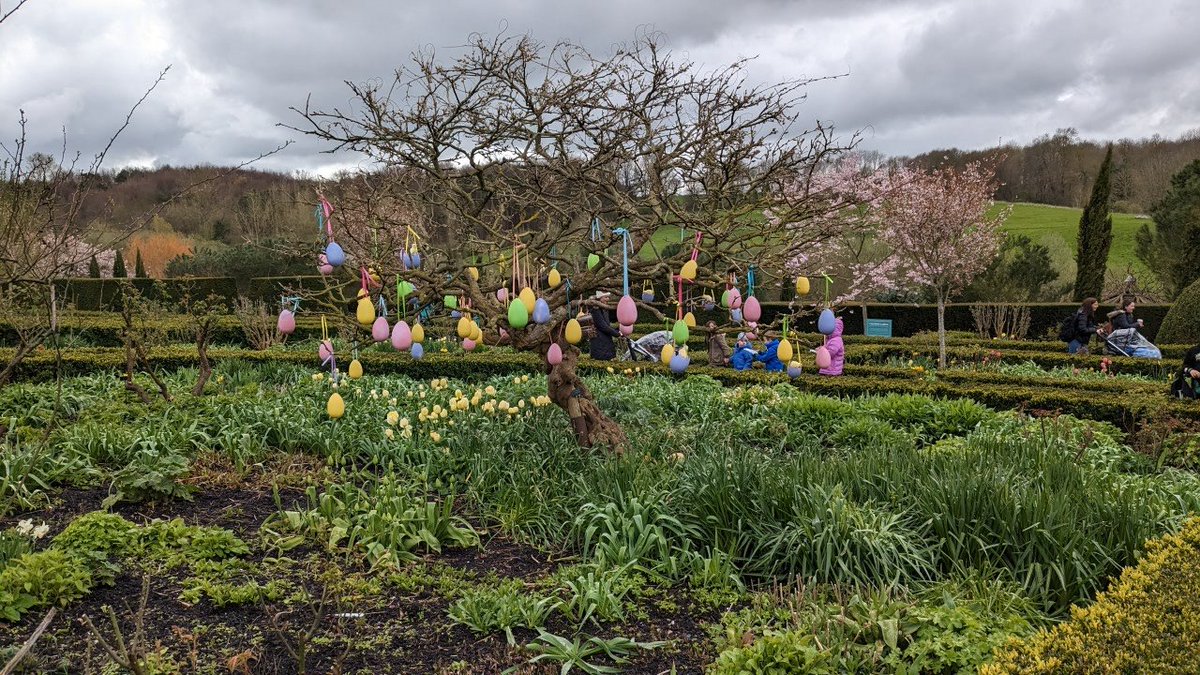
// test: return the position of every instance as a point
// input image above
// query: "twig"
(11, 666)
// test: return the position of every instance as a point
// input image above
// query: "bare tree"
(515, 145)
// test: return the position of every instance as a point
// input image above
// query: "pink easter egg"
(287, 322)
(468, 345)
(325, 350)
(735, 299)
(325, 269)
(502, 295)
(379, 329)
(554, 355)
(823, 358)
(401, 336)
(752, 311)
(626, 329)
(627, 311)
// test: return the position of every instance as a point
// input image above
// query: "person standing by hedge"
(1084, 324)
(837, 351)
(1187, 380)
(718, 347)
(601, 346)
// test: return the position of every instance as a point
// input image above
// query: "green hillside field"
(1057, 227)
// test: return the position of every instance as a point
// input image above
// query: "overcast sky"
(920, 75)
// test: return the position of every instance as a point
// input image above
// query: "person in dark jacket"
(1085, 325)
(1187, 379)
(770, 357)
(601, 346)
(1124, 317)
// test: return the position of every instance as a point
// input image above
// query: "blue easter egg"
(417, 350)
(455, 314)
(334, 254)
(735, 315)
(826, 322)
(679, 364)
(541, 311)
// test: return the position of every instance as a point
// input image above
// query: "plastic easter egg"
(683, 351)
(468, 345)
(325, 269)
(406, 289)
(325, 350)
(793, 369)
(476, 332)
(402, 337)
(414, 258)
(518, 316)
(784, 353)
(418, 333)
(456, 314)
(373, 278)
(380, 329)
(802, 286)
(689, 320)
(286, 323)
(355, 370)
(553, 279)
(336, 407)
(574, 332)
(735, 315)
(708, 304)
(627, 311)
(626, 329)
(554, 354)
(647, 296)
(592, 261)
(527, 298)
(334, 254)
(464, 327)
(668, 353)
(502, 294)
(752, 310)
(680, 332)
(735, 298)
(365, 312)
(450, 301)
(689, 270)
(541, 311)
(474, 273)
(679, 364)
(826, 322)
(823, 358)
(725, 298)
(751, 336)
(418, 351)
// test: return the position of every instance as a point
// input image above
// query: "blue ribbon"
(750, 281)
(595, 228)
(625, 244)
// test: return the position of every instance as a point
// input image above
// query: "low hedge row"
(90, 294)
(1122, 406)
(1148, 621)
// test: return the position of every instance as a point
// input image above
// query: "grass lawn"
(1057, 227)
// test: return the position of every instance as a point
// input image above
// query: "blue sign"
(879, 328)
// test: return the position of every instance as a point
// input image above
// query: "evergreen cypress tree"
(139, 268)
(94, 268)
(119, 267)
(1095, 235)
(1172, 249)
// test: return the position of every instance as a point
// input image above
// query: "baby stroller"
(648, 347)
(1129, 342)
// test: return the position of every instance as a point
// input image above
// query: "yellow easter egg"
(474, 272)
(356, 370)
(668, 353)
(365, 312)
(336, 407)
(574, 331)
(802, 286)
(689, 270)
(418, 333)
(554, 279)
(464, 328)
(689, 320)
(528, 299)
(476, 332)
(785, 351)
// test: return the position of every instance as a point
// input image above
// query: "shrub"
(44, 578)
(1182, 322)
(1148, 621)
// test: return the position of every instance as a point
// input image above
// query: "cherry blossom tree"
(941, 237)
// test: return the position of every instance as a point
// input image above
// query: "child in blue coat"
(770, 358)
(743, 355)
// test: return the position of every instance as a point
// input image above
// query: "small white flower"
(40, 531)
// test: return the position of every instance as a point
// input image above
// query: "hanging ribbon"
(750, 281)
(567, 290)
(679, 304)
(553, 258)
(625, 244)
(294, 300)
(324, 329)
(324, 214)
(785, 327)
(364, 277)
(828, 281)
(382, 304)
(595, 228)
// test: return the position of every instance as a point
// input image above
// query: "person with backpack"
(1077, 330)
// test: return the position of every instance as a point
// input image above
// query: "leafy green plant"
(595, 595)
(576, 652)
(504, 607)
(150, 476)
(49, 577)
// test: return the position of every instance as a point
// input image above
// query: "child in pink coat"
(837, 351)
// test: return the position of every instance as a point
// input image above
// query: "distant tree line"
(1060, 168)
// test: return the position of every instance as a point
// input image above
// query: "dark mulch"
(397, 632)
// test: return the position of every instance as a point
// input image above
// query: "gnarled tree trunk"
(592, 427)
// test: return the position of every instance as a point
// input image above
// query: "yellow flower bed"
(1147, 622)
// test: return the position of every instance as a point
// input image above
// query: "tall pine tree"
(119, 267)
(94, 268)
(1095, 235)
(139, 267)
